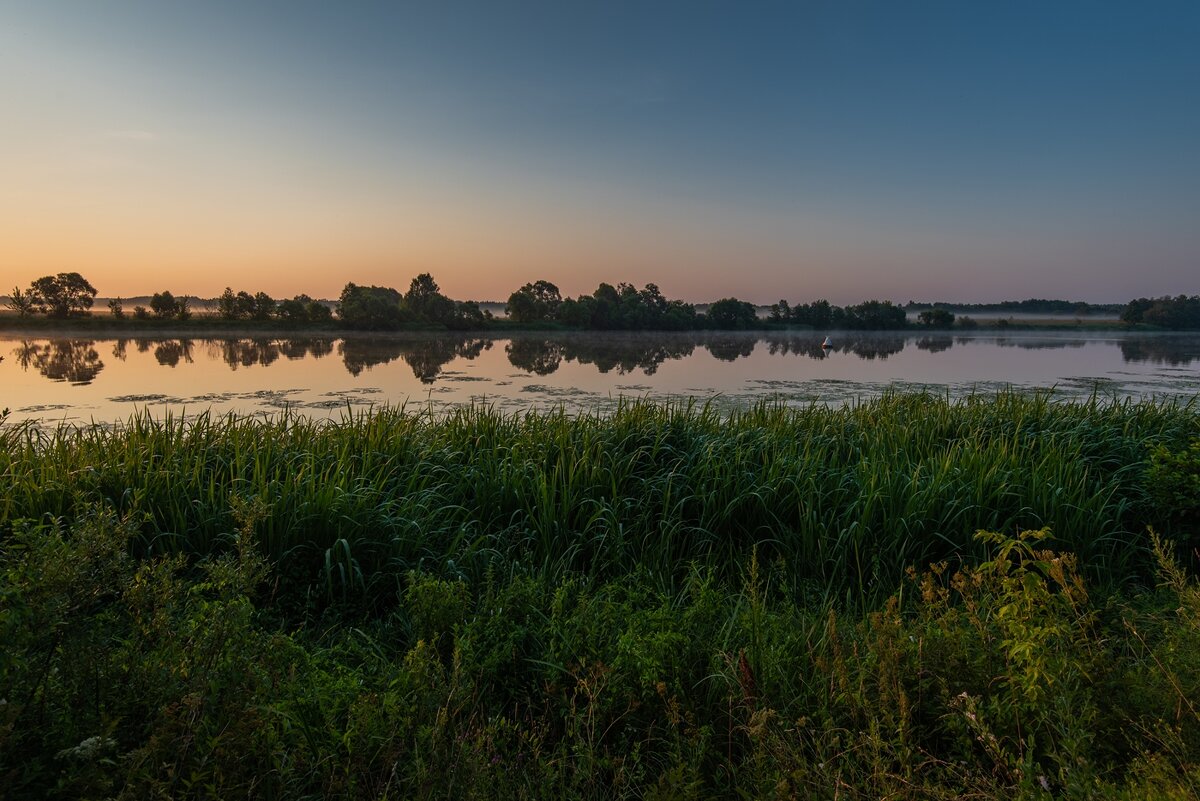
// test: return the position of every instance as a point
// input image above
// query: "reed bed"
(664, 602)
(842, 500)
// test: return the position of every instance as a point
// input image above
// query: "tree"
(731, 313)
(116, 308)
(370, 307)
(319, 312)
(875, 315)
(425, 300)
(533, 303)
(164, 305)
(294, 310)
(468, 316)
(227, 305)
(21, 302)
(303, 309)
(936, 318)
(264, 306)
(62, 295)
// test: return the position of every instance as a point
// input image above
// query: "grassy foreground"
(665, 602)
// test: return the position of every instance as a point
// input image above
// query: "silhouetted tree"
(116, 308)
(936, 318)
(425, 301)
(468, 317)
(163, 305)
(227, 305)
(264, 306)
(532, 303)
(21, 302)
(295, 310)
(62, 295)
(732, 314)
(244, 305)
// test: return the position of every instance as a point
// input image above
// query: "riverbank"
(662, 600)
(199, 325)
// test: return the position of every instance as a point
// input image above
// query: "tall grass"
(844, 498)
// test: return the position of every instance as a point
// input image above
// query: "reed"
(844, 498)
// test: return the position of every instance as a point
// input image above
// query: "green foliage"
(170, 677)
(848, 497)
(1174, 479)
(665, 602)
(372, 308)
(1179, 313)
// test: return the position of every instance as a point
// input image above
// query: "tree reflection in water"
(72, 360)
(317, 347)
(864, 345)
(426, 357)
(731, 348)
(935, 344)
(250, 352)
(623, 353)
(537, 356)
(172, 351)
(1173, 351)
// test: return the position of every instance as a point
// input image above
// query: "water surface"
(81, 380)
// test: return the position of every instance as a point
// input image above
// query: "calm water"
(80, 380)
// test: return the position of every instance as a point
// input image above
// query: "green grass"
(847, 498)
(666, 602)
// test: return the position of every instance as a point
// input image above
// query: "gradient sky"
(969, 151)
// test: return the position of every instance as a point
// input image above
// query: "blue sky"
(850, 150)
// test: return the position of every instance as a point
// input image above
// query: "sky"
(961, 151)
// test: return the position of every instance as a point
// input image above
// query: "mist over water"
(81, 380)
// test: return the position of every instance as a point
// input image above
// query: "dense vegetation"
(537, 304)
(1180, 313)
(1030, 306)
(872, 315)
(667, 602)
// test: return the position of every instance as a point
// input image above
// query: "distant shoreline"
(96, 324)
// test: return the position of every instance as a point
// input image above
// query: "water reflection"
(935, 344)
(1174, 351)
(730, 349)
(170, 352)
(622, 353)
(426, 357)
(1026, 343)
(75, 361)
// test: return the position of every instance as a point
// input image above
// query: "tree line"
(540, 303)
(1179, 313)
